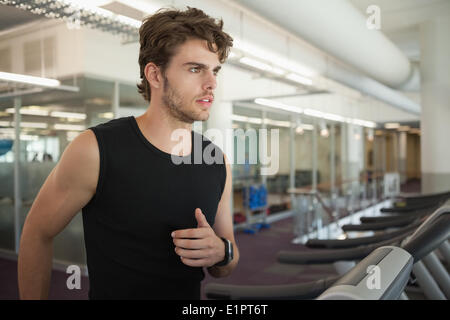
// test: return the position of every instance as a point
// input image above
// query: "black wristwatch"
(228, 253)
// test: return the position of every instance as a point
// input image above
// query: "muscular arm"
(67, 189)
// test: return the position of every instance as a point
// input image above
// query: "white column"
(314, 156)
(220, 119)
(402, 145)
(115, 103)
(435, 97)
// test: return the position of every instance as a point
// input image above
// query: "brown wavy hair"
(161, 33)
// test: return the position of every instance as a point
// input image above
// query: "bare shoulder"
(80, 163)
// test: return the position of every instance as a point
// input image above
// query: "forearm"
(34, 266)
(220, 272)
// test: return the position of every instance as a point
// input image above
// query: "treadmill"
(394, 263)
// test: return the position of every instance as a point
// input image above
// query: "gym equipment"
(430, 235)
(382, 275)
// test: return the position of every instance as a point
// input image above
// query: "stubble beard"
(176, 107)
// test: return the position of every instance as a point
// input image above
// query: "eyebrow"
(201, 65)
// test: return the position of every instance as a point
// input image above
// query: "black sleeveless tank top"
(141, 197)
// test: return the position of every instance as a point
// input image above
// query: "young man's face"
(189, 79)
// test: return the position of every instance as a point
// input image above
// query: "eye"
(194, 68)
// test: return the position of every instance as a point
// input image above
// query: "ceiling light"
(21, 78)
(27, 137)
(277, 105)
(275, 59)
(93, 8)
(392, 125)
(254, 120)
(299, 79)
(140, 5)
(61, 114)
(314, 113)
(38, 125)
(277, 123)
(364, 123)
(261, 65)
(106, 115)
(33, 112)
(71, 127)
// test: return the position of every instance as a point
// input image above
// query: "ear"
(153, 75)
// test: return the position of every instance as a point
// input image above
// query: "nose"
(210, 82)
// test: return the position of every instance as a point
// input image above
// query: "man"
(150, 224)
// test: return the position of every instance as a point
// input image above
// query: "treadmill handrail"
(354, 242)
(307, 290)
(320, 256)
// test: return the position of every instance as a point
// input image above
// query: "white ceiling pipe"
(338, 28)
(371, 87)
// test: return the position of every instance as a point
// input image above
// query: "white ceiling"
(403, 14)
(400, 20)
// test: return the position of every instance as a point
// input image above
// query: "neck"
(157, 125)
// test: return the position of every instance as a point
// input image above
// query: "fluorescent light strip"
(239, 118)
(106, 115)
(61, 114)
(364, 123)
(392, 125)
(33, 112)
(87, 6)
(314, 113)
(23, 137)
(277, 105)
(39, 125)
(70, 127)
(275, 59)
(21, 78)
(141, 5)
(299, 79)
(277, 123)
(261, 65)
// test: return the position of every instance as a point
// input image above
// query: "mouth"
(205, 102)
